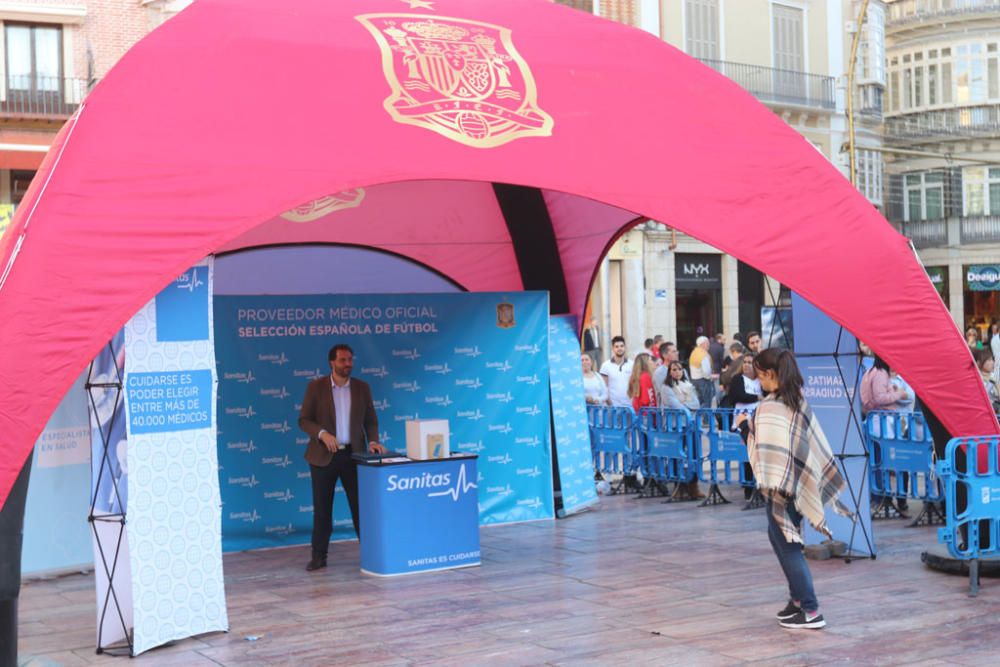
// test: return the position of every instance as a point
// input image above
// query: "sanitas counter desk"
(418, 516)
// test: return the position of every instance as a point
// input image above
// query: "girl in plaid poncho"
(796, 473)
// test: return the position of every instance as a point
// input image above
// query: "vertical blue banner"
(569, 417)
(477, 360)
(827, 355)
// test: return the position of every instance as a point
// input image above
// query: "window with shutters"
(701, 28)
(788, 36)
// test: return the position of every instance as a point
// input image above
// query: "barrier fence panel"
(667, 447)
(972, 501)
(901, 463)
(726, 457)
(613, 441)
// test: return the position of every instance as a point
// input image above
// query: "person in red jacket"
(640, 385)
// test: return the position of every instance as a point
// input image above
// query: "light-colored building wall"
(943, 122)
(745, 33)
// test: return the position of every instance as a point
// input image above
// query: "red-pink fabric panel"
(583, 228)
(237, 110)
(454, 227)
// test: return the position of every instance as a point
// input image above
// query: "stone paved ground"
(632, 582)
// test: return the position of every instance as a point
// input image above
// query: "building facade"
(793, 56)
(52, 53)
(942, 134)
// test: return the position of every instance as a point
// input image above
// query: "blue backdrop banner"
(569, 412)
(478, 360)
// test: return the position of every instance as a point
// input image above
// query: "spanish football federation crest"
(462, 79)
(505, 315)
(317, 208)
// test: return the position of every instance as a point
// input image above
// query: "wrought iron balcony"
(958, 123)
(905, 12)
(41, 97)
(925, 233)
(980, 229)
(779, 86)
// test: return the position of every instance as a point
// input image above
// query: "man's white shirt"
(618, 377)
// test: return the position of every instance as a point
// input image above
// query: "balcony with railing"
(780, 86)
(907, 12)
(925, 233)
(957, 123)
(980, 229)
(39, 97)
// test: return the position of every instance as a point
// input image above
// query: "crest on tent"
(318, 208)
(462, 79)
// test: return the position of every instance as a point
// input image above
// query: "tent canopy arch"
(181, 152)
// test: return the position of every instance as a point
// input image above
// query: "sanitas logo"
(528, 472)
(286, 529)
(245, 447)
(248, 482)
(533, 441)
(281, 496)
(381, 405)
(440, 482)
(440, 369)
(245, 378)
(468, 351)
(528, 349)
(502, 398)
(275, 393)
(503, 460)
(405, 418)
(533, 503)
(502, 366)
(407, 354)
(246, 517)
(277, 461)
(471, 384)
(500, 428)
(531, 410)
(307, 373)
(560, 413)
(375, 371)
(305, 509)
(283, 427)
(471, 446)
(302, 441)
(189, 281)
(245, 413)
(384, 437)
(275, 359)
(558, 385)
(528, 379)
(443, 401)
(411, 387)
(499, 491)
(474, 415)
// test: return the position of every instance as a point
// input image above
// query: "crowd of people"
(711, 376)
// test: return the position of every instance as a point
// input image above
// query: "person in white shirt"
(595, 389)
(616, 371)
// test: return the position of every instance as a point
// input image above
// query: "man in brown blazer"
(339, 416)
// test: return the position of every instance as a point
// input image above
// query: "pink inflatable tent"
(502, 144)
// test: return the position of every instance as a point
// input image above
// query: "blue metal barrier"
(613, 440)
(727, 460)
(901, 463)
(972, 500)
(667, 450)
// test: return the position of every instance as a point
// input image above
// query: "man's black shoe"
(316, 563)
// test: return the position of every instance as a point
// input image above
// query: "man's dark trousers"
(324, 482)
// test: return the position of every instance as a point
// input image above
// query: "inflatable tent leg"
(11, 532)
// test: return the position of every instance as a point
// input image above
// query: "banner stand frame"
(119, 518)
